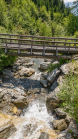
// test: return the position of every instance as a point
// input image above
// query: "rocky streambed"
(29, 103)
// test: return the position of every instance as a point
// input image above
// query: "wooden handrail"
(31, 43)
(39, 36)
(39, 40)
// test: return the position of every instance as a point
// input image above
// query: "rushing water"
(35, 119)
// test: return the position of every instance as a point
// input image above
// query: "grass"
(69, 95)
(53, 66)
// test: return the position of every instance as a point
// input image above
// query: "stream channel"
(35, 118)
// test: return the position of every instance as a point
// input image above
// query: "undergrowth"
(69, 95)
(53, 66)
(5, 60)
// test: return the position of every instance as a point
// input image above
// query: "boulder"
(55, 62)
(60, 80)
(54, 85)
(53, 75)
(60, 113)
(73, 128)
(65, 69)
(68, 119)
(48, 60)
(44, 75)
(6, 127)
(44, 65)
(44, 135)
(44, 83)
(26, 72)
(28, 64)
(21, 102)
(52, 103)
(64, 135)
(7, 74)
(59, 124)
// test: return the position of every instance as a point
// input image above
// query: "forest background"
(37, 17)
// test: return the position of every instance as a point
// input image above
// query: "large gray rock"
(60, 113)
(44, 65)
(44, 83)
(54, 85)
(7, 74)
(73, 128)
(65, 69)
(52, 103)
(55, 62)
(26, 72)
(53, 75)
(68, 119)
(59, 124)
(44, 75)
(65, 135)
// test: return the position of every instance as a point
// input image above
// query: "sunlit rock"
(53, 75)
(59, 124)
(26, 72)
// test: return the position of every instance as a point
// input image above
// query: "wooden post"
(69, 48)
(10, 40)
(31, 45)
(44, 47)
(56, 50)
(18, 46)
(75, 45)
(54, 43)
(6, 46)
(65, 44)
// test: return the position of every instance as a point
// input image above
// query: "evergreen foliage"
(37, 17)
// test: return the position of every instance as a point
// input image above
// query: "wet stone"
(44, 135)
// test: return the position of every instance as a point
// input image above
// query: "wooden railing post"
(69, 48)
(44, 47)
(31, 45)
(65, 44)
(57, 50)
(18, 46)
(54, 43)
(10, 40)
(6, 46)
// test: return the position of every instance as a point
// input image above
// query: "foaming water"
(36, 76)
(37, 109)
(34, 119)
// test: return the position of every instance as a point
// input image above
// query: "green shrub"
(5, 60)
(76, 34)
(53, 66)
(69, 95)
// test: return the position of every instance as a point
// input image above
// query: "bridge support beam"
(56, 52)
(18, 49)
(6, 49)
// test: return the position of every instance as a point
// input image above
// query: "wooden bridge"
(38, 46)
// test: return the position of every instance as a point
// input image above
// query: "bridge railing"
(45, 43)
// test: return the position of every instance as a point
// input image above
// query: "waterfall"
(35, 119)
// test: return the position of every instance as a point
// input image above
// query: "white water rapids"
(34, 120)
